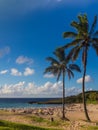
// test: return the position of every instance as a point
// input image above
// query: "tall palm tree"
(59, 66)
(83, 38)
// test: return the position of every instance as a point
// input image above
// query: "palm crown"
(84, 36)
(61, 64)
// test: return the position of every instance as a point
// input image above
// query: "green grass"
(55, 123)
(89, 127)
(38, 119)
(5, 128)
(6, 125)
(92, 102)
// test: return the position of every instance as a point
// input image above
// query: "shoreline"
(56, 110)
(33, 106)
(74, 112)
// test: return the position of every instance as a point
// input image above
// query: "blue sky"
(30, 30)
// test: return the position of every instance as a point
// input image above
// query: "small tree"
(59, 66)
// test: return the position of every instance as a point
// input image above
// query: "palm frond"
(59, 74)
(83, 18)
(70, 73)
(52, 60)
(80, 17)
(55, 71)
(83, 22)
(60, 54)
(81, 26)
(69, 34)
(69, 56)
(51, 69)
(76, 53)
(59, 49)
(74, 67)
(93, 26)
(73, 43)
(75, 25)
(48, 69)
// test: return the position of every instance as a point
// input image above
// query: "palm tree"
(59, 66)
(83, 38)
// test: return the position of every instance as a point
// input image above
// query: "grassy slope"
(6, 125)
(89, 128)
(91, 97)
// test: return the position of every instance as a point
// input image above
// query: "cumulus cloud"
(4, 51)
(23, 89)
(30, 89)
(48, 76)
(15, 72)
(73, 91)
(28, 71)
(24, 59)
(87, 79)
(12, 89)
(3, 71)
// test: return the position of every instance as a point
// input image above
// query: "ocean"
(24, 103)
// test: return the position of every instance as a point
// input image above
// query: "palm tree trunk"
(63, 99)
(83, 86)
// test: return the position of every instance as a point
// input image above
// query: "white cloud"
(15, 72)
(4, 51)
(3, 71)
(48, 76)
(23, 89)
(87, 79)
(28, 71)
(73, 91)
(12, 89)
(24, 59)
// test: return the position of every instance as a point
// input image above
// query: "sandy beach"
(74, 112)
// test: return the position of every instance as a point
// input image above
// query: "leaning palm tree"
(83, 38)
(59, 66)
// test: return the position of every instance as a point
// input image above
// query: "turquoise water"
(23, 103)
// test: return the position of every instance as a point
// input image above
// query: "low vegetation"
(89, 128)
(91, 97)
(5, 125)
